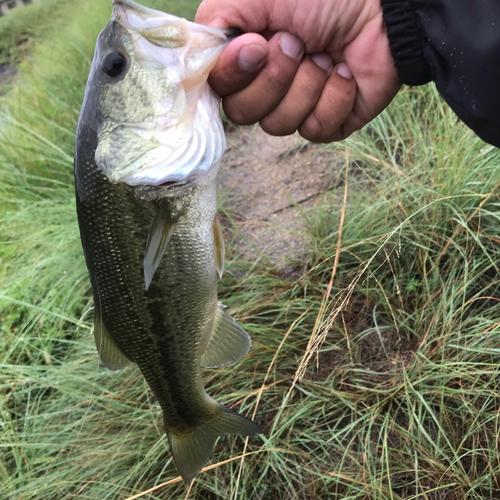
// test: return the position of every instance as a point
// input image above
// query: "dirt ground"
(265, 182)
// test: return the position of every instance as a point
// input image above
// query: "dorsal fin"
(220, 249)
(228, 342)
(159, 235)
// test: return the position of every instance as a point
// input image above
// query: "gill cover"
(159, 119)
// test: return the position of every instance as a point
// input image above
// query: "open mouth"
(149, 22)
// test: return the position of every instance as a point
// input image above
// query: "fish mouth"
(138, 17)
(150, 23)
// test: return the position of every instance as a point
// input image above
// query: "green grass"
(399, 398)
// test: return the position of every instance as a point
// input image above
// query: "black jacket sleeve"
(456, 44)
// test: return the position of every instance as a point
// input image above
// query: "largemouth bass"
(148, 146)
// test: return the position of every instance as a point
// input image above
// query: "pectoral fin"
(220, 249)
(159, 235)
(109, 353)
(228, 342)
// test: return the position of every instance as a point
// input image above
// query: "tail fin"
(191, 450)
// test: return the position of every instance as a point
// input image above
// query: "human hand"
(322, 67)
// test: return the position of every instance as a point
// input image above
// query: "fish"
(148, 147)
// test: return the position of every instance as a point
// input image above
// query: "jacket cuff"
(406, 40)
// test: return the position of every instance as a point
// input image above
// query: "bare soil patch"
(265, 183)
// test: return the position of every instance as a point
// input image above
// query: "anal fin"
(109, 353)
(228, 342)
(159, 235)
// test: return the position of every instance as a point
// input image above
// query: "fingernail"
(322, 60)
(251, 56)
(343, 70)
(291, 45)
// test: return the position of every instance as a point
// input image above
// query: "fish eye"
(114, 64)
